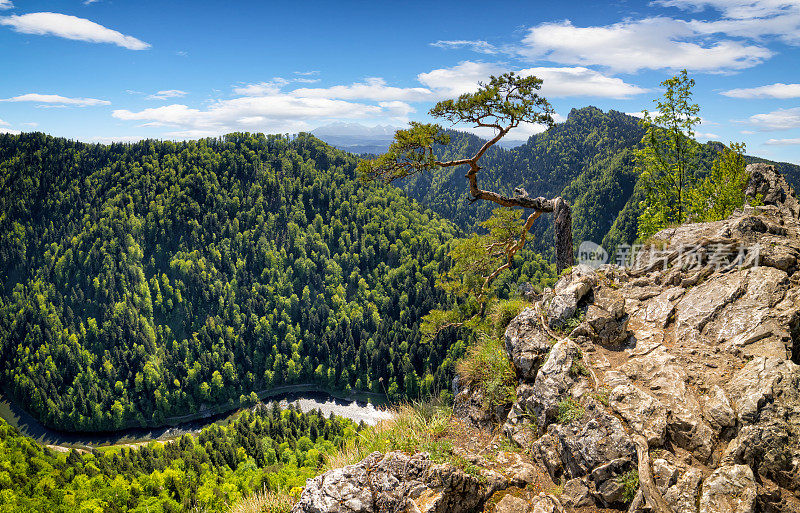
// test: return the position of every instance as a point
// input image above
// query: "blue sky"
(108, 70)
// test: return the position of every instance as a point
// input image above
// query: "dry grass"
(265, 502)
(487, 366)
(414, 427)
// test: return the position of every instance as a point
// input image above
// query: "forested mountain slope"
(142, 281)
(588, 159)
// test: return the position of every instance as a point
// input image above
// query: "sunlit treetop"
(502, 104)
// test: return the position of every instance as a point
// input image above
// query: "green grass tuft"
(487, 366)
(568, 410)
(630, 485)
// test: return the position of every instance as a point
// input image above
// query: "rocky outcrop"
(693, 350)
(682, 367)
(397, 482)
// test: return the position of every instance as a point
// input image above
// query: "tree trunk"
(562, 224)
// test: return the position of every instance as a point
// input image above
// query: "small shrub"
(630, 485)
(568, 410)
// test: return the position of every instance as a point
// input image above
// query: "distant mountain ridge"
(355, 137)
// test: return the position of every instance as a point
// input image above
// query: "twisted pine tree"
(502, 104)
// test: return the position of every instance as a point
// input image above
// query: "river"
(308, 400)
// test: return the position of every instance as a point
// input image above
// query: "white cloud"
(265, 112)
(781, 119)
(374, 89)
(632, 45)
(779, 90)
(782, 142)
(8, 131)
(54, 100)
(70, 27)
(479, 46)
(262, 88)
(169, 93)
(558, 82)
(459, 79)
(6, 4)
(90, 2)
(398, 110)
(706, 135)
(31, 124)
(580, 81)
(746, 18)
(4, 123)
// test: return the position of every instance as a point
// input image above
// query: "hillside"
(145, 281)
(671, 385)
(588, 160)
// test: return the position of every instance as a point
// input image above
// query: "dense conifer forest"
(267, 449)
(142, 282)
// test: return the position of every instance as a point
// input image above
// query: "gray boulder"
(729, 489)
(643, 412)
(396, 482)
(527, 343)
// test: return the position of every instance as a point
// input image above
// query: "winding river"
(308, 397)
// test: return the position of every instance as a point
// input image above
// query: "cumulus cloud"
(9, 131)
(6, 4)
(779, 91)
(746, 18)
(459, 79)
(781, 119)
(633, 45)
(782, 142)
(165, 95)
(264, 112)
(70, 27)
(55, 100)
(373, 88)
(261, 88)
(397, 109)
(580, 81)
(479, 46)
(558, 82)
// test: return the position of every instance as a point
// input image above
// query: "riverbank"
(358, 407)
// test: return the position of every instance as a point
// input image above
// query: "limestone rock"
(471, 405)
(665, 474)
(751, 387)
(643, 412)
(682, 496)
(394, 482)
(667, 382)
(568, 292)
(606, 321)
(561, 376)
(772, 187)
(717, 409)
(583, 445)
(527, 343)
(730, 489)
(546, 503)
(576, 494)
(512, 504)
